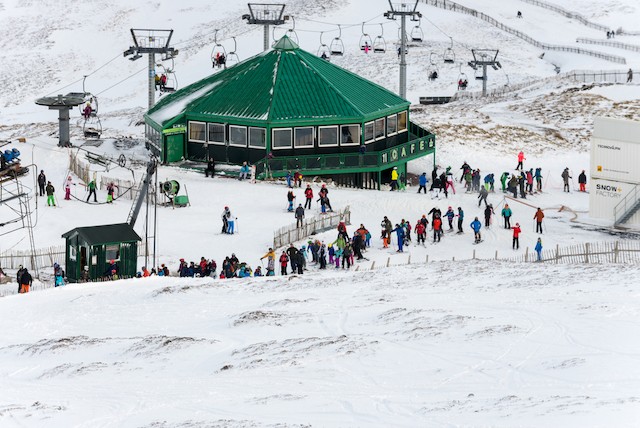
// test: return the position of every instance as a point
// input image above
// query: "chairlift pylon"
(416, 32)
(366, 43)
(323, 50)
(449, 55)
(337, 47)
(218, 50)
(379, 44)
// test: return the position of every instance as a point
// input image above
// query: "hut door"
(83, 258)
(174, 145)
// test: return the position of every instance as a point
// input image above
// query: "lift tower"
(403, 10)
(266, 14)
(483, 58)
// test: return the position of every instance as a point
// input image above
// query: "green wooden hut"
(287, 109)
(95, 246)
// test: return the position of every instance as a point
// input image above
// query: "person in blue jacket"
(423, 182)
(244, 171)
(476, 226)
(289, 177)
(538, 249)
(399, 230)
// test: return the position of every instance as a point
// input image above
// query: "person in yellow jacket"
(394, 178)
(271, 261)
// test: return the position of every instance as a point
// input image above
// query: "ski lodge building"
(289, 110)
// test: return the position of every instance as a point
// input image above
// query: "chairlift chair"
(449, 55)
(337, 47)
(323, 50)
(92, 127)
(416, 32)
(90, 99)
(218, 50)
(291, 32)
(379, 44)
(478, 74)
(232, 58)
(462, 77)
(172, 82)
(365, 40)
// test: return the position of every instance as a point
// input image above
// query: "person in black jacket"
(25, 281)
(299, 215)
(42, 182)
(292, 252)
(582, 180)
(210, 167)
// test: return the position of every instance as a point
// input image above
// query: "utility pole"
(483, 58)
(403, 10)
(151, 42)
(266, 14)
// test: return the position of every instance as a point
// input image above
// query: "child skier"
(476, 226)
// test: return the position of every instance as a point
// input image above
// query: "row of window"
(301, 137)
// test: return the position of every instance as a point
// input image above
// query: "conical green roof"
(285, 86)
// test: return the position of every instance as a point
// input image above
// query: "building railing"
(455, 7)
(628, 203)
(312, 226)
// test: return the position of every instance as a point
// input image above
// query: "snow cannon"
(170, 189)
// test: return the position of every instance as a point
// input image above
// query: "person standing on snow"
(299, 216)
(538, 177)
(394, 178)
(521, 159)
(226, 214)
(421, 232)
(565, 179)
(538, 249)
(476, 226)
(284, 259)
(538, 216)
(58, 274)
(308, 194)
(449, 176)
(422, 180)
(582, 180)
(483, 196)
(436, 224)
(460, 216)
(50, 198)
(399, 230)
(488, 211)
(506, 213)
(387, 228)
(521, 181)
(42, 182)
(111, 189)
(450, 215)
(529, 177)
(516, 234)
(211, 165)
(67, 188)
(503, 181)
(289, 179)
(92, 190)
(290, 198)
(26, 280)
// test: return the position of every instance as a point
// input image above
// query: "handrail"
(610, 43)
(455, 7)
(623, 207)
(568, 14)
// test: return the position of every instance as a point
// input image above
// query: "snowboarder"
(483, 196)
(92, 190)
(582, 180)
(538, 216)
(516, 234)
(521, 159)
(394, 178)
(290, 198)
(299, 216)
(565, 179)
(506, 213)
(538, 249)
(67, 188)
(422, 180)
(50, 198)
(42, 182)
(476, 226)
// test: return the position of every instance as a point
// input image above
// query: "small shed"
(95, 246)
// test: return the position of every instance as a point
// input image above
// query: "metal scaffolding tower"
(483, 58)
(403, 10)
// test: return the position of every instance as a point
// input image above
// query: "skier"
(437, 228)
(231, 220)
(488, 211)
(386, 231)
(50, 198)
(476, 226)
(284, 259)
(529, 177)
(394, 178)
(399, 230)
(465, 168)
(290, 198)
(435, 213)
(506, 213)
(450, 215)
(211, 164)
(421, 232)
(503, 181)
(324, 192)
(582, 180)
(483, 196)
(443, 184)
(67, 188)
(322, 256)
(346, 256)
(513, 186)
(422, 180)
(460, 216)
(299, 216)
(226, 213)
(111, 188)
(538, 249)
(516, 234)
(521, 158)
(449, 176)
(521, 181)
(436, 186)
(42, 182)
(565, 179)
(468, 178)
(308, 194)
(289, 179)
(538, 216)
(538, 177)
(92, 190)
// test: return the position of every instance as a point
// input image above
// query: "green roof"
(106, 234)
(284, 85)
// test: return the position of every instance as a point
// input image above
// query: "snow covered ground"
(466, 343)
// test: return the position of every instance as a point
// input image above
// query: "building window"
(216, 133)
(369, 134)
(197, 132)
(72, 253)
(112, 252)
(257, 138)
(327, 136)
(303, 137)
(380, 131)
(238, 136)
(392, 124)
(402, 121)
(281, 138)
(350, 135)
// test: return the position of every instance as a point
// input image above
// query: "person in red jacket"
(437, 228)
(284, 259)
(421, 231)
(516, 235)
(521, 158)
(308, 194)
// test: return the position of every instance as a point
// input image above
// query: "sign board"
(181, 129)
(407, 151)
(615, 150)
(604, 195)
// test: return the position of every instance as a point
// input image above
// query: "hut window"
(327, 136)
(350, 135)
(238, 136)
(197, 131)
(281, 138)
(112, 252)
(216, 133)
(303, 137)
(369, 135)
(72, 253)
(392, 124)
(380, 131)
(402, 121)
(257, 138)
